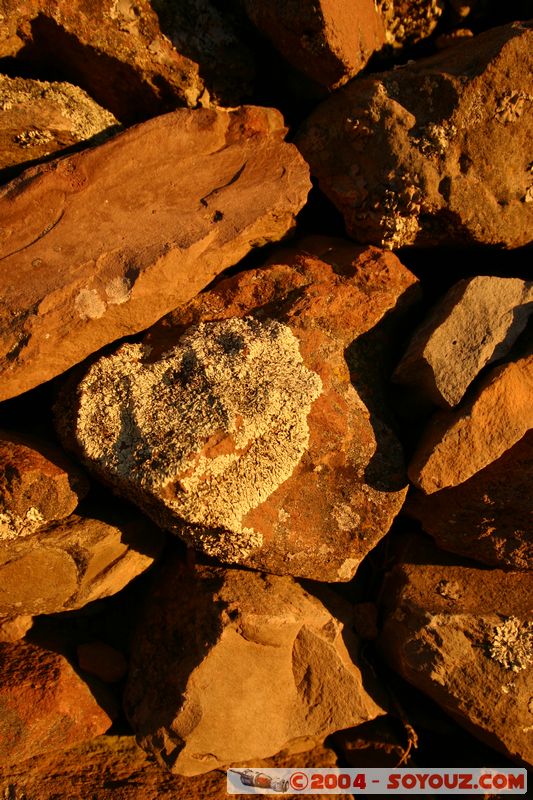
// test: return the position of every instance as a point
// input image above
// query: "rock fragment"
(409, 21)
(435, 152)
(208, 651)
(96, 258)
(475, 323)
(236, 424)
(461, 442)
(44, 705)
(464, 636)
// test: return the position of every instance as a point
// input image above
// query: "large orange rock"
(88, 258)
(249, 421)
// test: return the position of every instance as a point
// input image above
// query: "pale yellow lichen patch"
(89, 304)
(511, 644)
(13, 525)
(347, 569)
(118, 291)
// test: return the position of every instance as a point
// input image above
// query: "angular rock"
(435, 152)
(409, 21)
(464, 636)
(489, 517)
(74, 562)
(113, 50)
(209, 650)
(102, 660)
(461, 442)
(44, 705)
(329, 40)
(38, 118)
(237, 423)
(96, 258)
(37, 486)
(476, 322)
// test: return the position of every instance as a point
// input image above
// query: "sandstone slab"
(489, 517)
(44, 705)
(73, 562)
(38, 485)
(435, 152)
(96, 258)
(276, 454)
(211, 646)
(464, 636)
(475, 323)
(458, 443)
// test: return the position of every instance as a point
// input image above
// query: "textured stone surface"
(12, 629)
(44, 705)
(236, 424)
(464, 636)
(74, 562)
(409, 21)
(456, 444)
(328, 40)
(211, 647)
(115, 768)
(38, 118)
(435, 152)
(38, 485)
(475, 323)
(488, 517)
(96, 258)
(114, 50)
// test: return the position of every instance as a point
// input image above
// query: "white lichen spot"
(89, 304)
(118, 291)
(511, 644)
(13, 525)
(346, 570)
(209, 430)
(345, 517)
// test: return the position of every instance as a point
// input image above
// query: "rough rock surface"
(464, 636)
(435, 152)
(209, 650)
(475, 323)
(38, 118)
(328, 40)
(44, 705)
(113, 50)
(115, 768)
(409, 21)
(37, 486)
(73, 562)
(460, 442)
(488, 517)
(237, 424)
(96, 258)
(12, 629)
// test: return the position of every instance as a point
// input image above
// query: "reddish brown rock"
(490, 516)
(38, 485)
(275, 456)
(464, 636)
(44, 705)
(459, 443)
(435, 152)
(211, 646)
(74, 562)
(115, 51)
(475, 323)
(102, 660)
(328, 40)
(96, 258)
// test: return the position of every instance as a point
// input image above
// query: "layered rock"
(464, 636)
(461, 442)
(239, 425)
(434, 152)
(209, 649)
(96, 258)
(44, 705)
(475, 323)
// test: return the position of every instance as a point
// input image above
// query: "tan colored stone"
(74, 562)
(209, 651)
(458, 443)
(12, 629)
(44, 705)
(38, 485)
(475, 323)
(489, 517)
(328, 40)
(464, 636)
(96, 258)
(435, 152)
(249, 421)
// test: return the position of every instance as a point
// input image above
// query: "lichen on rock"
(511, 644)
